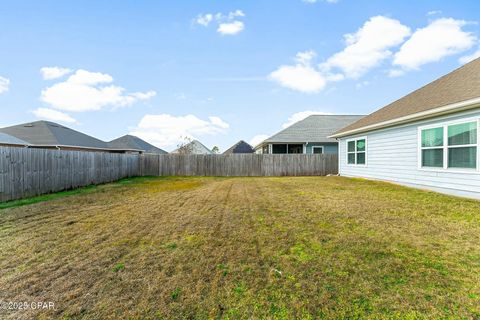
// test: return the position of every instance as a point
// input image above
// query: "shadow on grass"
(66, 193)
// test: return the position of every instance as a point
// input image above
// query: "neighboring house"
(133, 142)
(240, 147)
(50, 135)
(10, 141)
(193, 147)
(428, 139)
(310, 135)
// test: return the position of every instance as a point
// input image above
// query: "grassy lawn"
(228, 248)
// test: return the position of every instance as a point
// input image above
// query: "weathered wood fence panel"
(149, 165)
(26, 172)
(30, 172)
(242, 165)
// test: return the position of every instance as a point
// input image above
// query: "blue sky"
(220, 71)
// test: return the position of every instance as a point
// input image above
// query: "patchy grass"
(46, 197)
(236, 248)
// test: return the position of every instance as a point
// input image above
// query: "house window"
(450, 146)
(462, 145)
(317, 150)
(357, 151)
(432, 147)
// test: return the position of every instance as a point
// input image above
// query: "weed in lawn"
(223, 268)
(299, 252)
(175, 294)
(119, 267)
(240, 289)
(171, 246)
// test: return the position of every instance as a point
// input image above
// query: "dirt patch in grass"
(280, 248)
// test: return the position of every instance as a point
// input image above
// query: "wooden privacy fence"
(30, 172)
(240, 165)
(26, 172)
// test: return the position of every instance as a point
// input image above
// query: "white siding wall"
(392, 155)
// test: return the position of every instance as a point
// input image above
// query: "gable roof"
(463, 84)
(133, 142)
(46, 133)
(196, 147)
(11, 140)
(240, 147)
(315, 128)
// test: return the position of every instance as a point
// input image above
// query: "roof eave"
(79, 147)
(448, 109)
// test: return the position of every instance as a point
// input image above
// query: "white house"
(428, 139)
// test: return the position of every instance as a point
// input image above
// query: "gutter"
(451, 108)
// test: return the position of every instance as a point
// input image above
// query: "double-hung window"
(357, 151)
(450, 146)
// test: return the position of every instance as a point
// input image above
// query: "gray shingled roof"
(240, 147)
(47, 133)
(315, 128)
(459, 85)
(8, 139)
(132, 142)
(196, 147)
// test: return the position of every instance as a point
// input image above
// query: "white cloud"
(302, 76)
(204, 19)
(470, 57)
(394, 73)
(219, 123)
(231, 28)
(235, 14)
(4, 84)
(434, 12)
(441, 38)
(143, 95)
(165, 130)
(294, 118)
(49, 73)
(362, 84)
(368, 46)
(53, 115)
(227, 24)
(89, 78)
(256, 140)
(365, 49)
(86, 91)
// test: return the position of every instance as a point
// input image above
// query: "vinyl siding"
(392, 155)
(328, 148)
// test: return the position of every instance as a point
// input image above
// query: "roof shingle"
(48, 133)
(460, 85)
(315, 128)
(132, 142)
(240, 147)
(8, 139)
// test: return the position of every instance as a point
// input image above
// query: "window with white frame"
(317, 150)
(450, 146)
(357, 151)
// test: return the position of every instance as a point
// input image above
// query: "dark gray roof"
(45, 133)
(459, 85)
(315, 128)
(132, 142)
(240, 147)
(8, 139)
